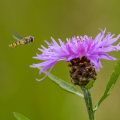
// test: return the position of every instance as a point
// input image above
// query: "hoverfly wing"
(17, 36)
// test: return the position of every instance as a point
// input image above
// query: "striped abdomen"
(16, 44)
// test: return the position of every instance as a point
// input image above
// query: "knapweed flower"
(83, 53)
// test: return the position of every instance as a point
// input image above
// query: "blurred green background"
(19, 91)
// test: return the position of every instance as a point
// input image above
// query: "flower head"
(78, 47)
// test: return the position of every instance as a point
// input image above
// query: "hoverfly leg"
(29, 44)
(12, 47)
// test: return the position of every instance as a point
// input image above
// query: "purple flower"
(77, 48)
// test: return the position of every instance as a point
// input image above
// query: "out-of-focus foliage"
(111, 82)
(20, 117)
(19, 91)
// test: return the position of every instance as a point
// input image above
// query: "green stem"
(88, 101)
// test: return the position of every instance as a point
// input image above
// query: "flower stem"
(88, 101)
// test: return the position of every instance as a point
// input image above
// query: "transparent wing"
(17, 36)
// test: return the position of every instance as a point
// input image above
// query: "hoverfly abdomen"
(18, 43)
(21, 42)
(14, 44)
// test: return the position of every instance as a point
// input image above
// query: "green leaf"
(19, 116)
(39, 68)
(90, 84)
(66, 86)
(111, 82)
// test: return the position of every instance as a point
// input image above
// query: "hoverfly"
(21, 40)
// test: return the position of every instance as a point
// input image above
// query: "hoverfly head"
(32, 38)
